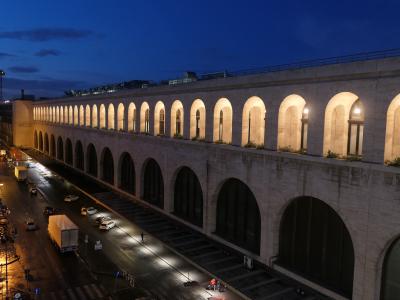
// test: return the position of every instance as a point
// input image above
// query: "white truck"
(21, 173)
(63, 232)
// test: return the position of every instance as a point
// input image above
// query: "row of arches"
(314, 242)
(343, 122)
(238, 218)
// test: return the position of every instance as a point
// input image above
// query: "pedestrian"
(142, 235)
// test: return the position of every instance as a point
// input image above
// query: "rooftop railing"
(321, 62)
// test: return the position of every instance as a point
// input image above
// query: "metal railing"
(321, 62)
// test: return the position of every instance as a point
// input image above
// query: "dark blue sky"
(49, 46)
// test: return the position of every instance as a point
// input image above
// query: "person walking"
(142, 235)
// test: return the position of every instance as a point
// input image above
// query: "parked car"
(33, 190)
(101, 219)
(30, 224)
(107, 225)
(71, 198)
(48, 211)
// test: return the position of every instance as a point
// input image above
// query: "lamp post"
(2, 73)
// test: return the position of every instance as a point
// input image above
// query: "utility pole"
(2, 74)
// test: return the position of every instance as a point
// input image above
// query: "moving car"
(71, 198)
(101, 219)
(48, 211)
(30, 224)
(107, 225)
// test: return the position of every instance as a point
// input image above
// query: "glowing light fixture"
(357, 110)
(306, 110)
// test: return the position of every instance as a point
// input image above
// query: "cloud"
(48, 52)
(22, 69)
(46, 34)
(5, 55)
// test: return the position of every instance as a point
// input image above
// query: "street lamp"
(2, 73)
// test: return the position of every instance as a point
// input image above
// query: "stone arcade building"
(289, 167)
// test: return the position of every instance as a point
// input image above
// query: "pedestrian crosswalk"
(84, 292)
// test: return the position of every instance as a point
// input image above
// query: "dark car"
(48, 211)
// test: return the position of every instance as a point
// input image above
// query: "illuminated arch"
(223, 121)
(66, 115)
(198, 120)
(58, 114)
(132, 117)
(76, 115)
(253, 122)
(95, 123)
(292, 114)
(81, 116)
(338, 115)
(121, 117)
(111, 116)
(70, 115)
(392, 139)
(102, 116)
(159, 118)
(145, 118)
(62, 115)
(87, 115)
(177, 118)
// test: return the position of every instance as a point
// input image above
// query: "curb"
(99, 202)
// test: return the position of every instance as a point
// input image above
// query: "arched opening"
(159, 118)
(132, 117)
(107, 164)
(102, 117)
(198, 120)
(153, 184)
(81, 116)
(223, 121)
(58, 114)
(87, 115)
(238, 216)
(61, 115)
(390, 286)
(35, 139)
(52, 146)
(253, 122)
(121, 117)
(40, 141)
(177, 115)
(392, 140)
(343, 121)
(46, 143)
(76, 116)
(111, 116)
(60, 148)
(79, 156)
(68, 152)
(293, 124)
(95, 123)
(145, 118)
(315, 243)
(91, 159)
(127, 173)
(70, 116)
(188, 197)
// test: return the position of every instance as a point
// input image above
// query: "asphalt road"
(157, 271)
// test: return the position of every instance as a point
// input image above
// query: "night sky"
(49, 46)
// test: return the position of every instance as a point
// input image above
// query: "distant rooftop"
(191, 76)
